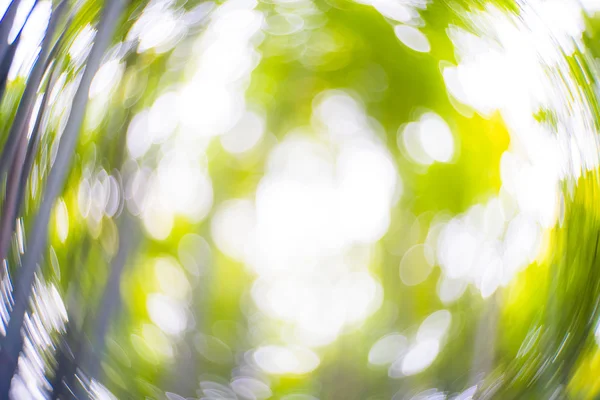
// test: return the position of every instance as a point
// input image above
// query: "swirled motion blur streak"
(299, 199)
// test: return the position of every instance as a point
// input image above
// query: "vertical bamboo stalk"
(8, 55)
(28, 99)
(6, 25)
(13, 342)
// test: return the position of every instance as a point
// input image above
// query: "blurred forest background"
(299, 199)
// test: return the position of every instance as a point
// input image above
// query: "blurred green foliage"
(543, 322)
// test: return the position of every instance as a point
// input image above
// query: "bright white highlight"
(279, 360)
(428, 140)
(413, 359)
(490, 243)
(245, 135)
(436, 138)
(106, 78)
(31, 37)
(321, 200)
(167, 313)
(404, 11)
(213, 101)
(180, 186)
(158, 28)
(412, 38)
(62, 220)
(435, 326)
(420, 356)
(387, 349)
(184, 119)
(82, 45)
